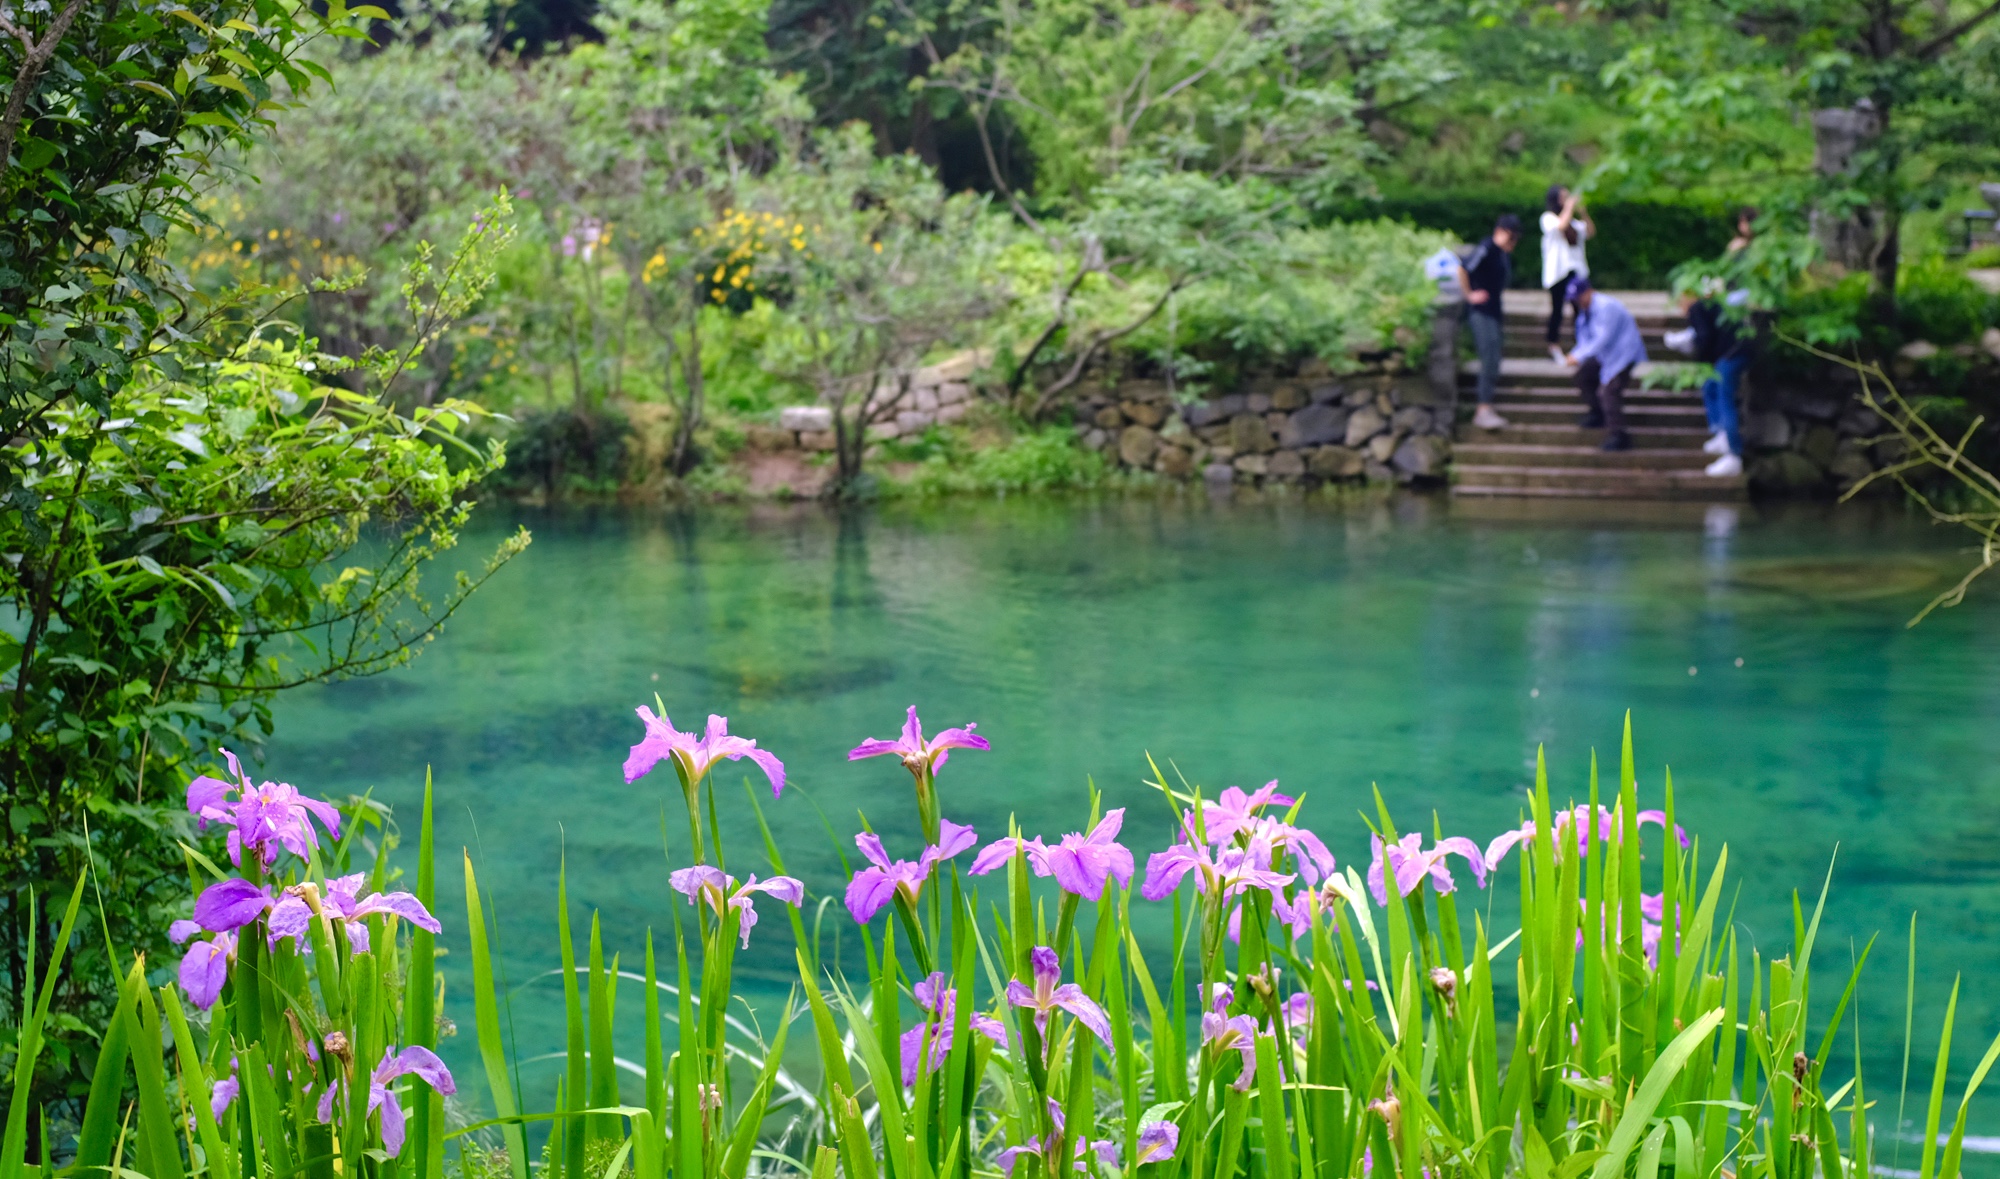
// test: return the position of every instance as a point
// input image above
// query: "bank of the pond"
(1400, 640)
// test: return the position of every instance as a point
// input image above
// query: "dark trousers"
(1556, 294)
(1602, 396)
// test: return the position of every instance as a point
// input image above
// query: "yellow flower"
(878, 247)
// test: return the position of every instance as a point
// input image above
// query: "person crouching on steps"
(1608, 348)
(1484, 278)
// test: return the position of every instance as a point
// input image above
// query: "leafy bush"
(1307, 1020)
(1935, 301)
(1048, 459)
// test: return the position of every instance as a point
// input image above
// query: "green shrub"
(1042, 460)
(1935, 301)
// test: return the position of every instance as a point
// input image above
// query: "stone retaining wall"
(1376, 428)
(942, 393)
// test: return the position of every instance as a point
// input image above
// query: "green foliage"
(114, 112)
(1043, 460)
(250, 524)
(1315, 1024)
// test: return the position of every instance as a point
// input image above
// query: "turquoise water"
(1410, 643)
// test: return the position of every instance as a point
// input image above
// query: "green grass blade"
(576, 1083)
(1639, 1111)
(1931, 1119)
(1953, 1149)
(28, 1041)
(420, 1006)
(486, 1019)
(750, 1119)
(98, 1135)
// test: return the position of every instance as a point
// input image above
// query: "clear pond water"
(1412, 644)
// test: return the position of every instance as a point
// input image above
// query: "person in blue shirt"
(1484, 278)
(1608, 348)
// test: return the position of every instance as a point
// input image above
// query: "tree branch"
(34, 61)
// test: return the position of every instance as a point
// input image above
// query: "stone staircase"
(1543, 453)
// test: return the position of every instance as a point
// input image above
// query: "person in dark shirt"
(1484, 278)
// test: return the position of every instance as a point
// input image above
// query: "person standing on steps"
(1565, 227)
(1608, 348)
(1484, 277)
(1729, 345)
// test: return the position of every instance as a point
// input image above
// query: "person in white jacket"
(1565, 228)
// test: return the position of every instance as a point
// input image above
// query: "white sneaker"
(1556, 353)
(1725, 467)
(1487, 418)
(1716, 445)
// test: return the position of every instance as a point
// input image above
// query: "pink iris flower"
(1315, 862)
(1230, 871)
(343, 902)
(876, 886)
(265, 817)
(1049, 995)
(1576, 819)
(1001, 850)
(940, 1003)
(1235, 810)
(1409, 864)
(919, 756)
(1082, 863)
(724, 895)
(696, 755)
(411, 1061)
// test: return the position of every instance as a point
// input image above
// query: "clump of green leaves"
(249, 523)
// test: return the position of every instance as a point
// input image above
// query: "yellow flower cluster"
(740, 239)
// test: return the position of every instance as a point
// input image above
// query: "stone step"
(1556, 413)
(1515, 454)
(1604, 482)
(1534, 370)
(1568, 393)
(1562, 434)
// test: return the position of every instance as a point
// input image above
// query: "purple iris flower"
(696, 755)
(229, 905)
(1158, 1142)
(1315, 862)
(1001, 850)
(1233, 1033)
(919, 756)
(723, 894)
(1298, 912)
(1409, 863)
(225, 1091)
(1082, 863)
(1105, 1149)
(411, 1061)
(205, 966)
(1576, 819)
(1046, 996)
(264, 817)
(1230, 871)
(343, 903)
(876, 886)
(941, 1003)
(1235, 810)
